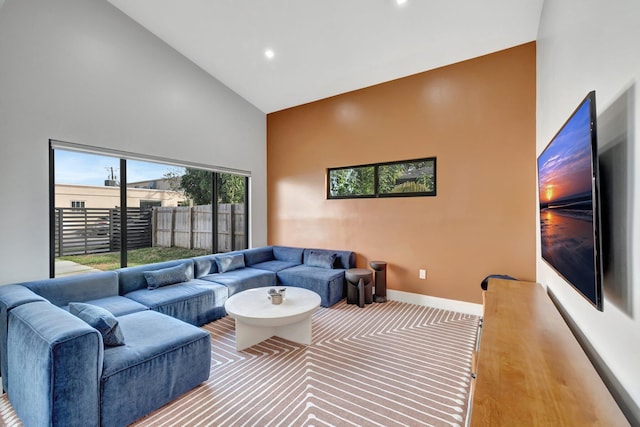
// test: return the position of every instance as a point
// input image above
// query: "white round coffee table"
(258, 319)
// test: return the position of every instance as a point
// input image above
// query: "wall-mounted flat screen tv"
(569, 211)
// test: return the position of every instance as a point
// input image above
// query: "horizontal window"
(406, 178)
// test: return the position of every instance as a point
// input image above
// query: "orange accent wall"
(477, 117)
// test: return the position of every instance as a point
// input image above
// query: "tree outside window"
(196, 184)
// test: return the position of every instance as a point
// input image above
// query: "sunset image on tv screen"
(566, 203)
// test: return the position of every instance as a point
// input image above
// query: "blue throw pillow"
(166, 276)
(321, 259)
(100, 319)
(289, 254)
(230, 262)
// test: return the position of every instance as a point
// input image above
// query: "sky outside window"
(92, 169)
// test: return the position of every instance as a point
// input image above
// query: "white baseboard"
(443, 303)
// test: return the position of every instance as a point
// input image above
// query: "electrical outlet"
(423, 274)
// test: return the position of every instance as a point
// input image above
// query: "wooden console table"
(530, 369)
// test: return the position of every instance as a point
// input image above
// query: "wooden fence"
(95, 230)
(191, 227)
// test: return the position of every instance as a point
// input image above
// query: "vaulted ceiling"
(323, 48)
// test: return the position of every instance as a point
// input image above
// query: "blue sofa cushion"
(257, 255)
(289, 254)
(132, 278)
(11, 296)
(344, 259)
(162, 359)
(329, 284)
(166, 276)
(274, 265)
(100, 319)
(320, 259)
(63, 290)
(243, 279)
(203, 265)
(230, 262)
(118, 306)
(220, 291)
(191, 302)
(55, 360)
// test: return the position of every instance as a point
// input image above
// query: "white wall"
(584, 45)
(81, 71)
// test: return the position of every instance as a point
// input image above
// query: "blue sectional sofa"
(319, 270)
(58, 371)
(107, 348)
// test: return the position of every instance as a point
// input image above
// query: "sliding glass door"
(110, 212)
(232, 212)
(86, 200)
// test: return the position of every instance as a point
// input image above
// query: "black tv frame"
(594, 293)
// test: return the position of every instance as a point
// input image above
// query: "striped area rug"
(391, 364)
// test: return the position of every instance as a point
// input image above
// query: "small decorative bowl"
(276, 295)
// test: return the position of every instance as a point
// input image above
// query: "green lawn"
(111, 260)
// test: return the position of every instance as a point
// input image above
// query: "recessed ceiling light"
(269, 53)
(401, 2)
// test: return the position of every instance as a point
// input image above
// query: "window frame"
(123, 157)
(376, 178)
(353, 196)
(81, 204)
